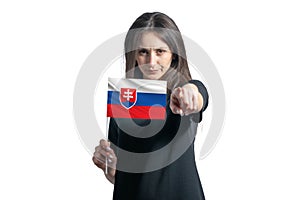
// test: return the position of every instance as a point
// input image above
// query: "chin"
(152, 77)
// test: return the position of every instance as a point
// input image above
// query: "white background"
(254, 44)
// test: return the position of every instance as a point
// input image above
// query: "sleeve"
(197, 117)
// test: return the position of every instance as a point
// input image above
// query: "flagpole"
(106, 131)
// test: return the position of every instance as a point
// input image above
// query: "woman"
(154, 49)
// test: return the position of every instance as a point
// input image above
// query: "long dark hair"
(167, 31)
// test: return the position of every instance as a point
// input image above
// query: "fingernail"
(109, 160)
(107, 148)
(110, 156)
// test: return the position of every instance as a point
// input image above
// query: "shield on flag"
(128, 97)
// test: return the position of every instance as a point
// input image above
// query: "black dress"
(179, 180)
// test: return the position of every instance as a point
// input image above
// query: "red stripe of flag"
(139, 112)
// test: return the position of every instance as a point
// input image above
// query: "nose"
(152, 59)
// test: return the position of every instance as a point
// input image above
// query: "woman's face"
(153, 56)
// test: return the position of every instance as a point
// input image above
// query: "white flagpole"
(106, 135)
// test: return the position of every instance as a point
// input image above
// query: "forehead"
(151, 40)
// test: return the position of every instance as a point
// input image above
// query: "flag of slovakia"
(136, 98)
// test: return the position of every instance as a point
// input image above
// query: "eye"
(143, 52)
(160, 51)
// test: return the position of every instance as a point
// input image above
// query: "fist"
(105, 158)
(186, 100)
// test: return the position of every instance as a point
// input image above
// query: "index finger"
(175, 101)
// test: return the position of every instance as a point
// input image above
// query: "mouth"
(152, 71)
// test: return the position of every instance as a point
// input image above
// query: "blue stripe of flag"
(143, 99)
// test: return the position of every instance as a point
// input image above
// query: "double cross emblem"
(128, 97)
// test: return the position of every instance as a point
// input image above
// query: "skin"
(154, 59)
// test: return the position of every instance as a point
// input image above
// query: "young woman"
(154, 49)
